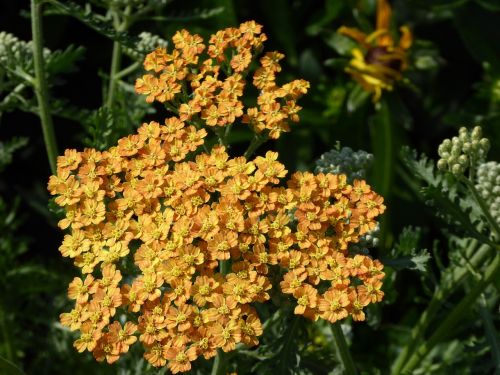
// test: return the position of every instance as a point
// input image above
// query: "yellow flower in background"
(378, 62)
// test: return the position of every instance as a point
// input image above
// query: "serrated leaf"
(421, 166)
(453, 210)
(64, 61)
(406, 255)
(86, 16)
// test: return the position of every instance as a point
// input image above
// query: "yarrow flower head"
(378, 62)
(177, 243)
(204, 83)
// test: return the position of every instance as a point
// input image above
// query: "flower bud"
(476, 133)
(485, 144)
(457, 169)
(442, 164)
(463, 160)
(455, 151)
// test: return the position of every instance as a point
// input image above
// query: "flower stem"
(490, 332)
(115, 67)
(452, 280)
(486, 212)
(454, 316)
(219, 363)
(40, 85)
(257, 140)
(116, 57)
(343, 350)
(128, 70)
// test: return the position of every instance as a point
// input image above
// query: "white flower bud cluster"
(15, 53)
(459, 153)
(488, 186)
(353, 164)
(149, 42)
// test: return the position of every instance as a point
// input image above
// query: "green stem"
(343, 350)
(257, 140)
(219, 132)
(129, 69)
(116, 57)
(41, 87)
(219, 365)
(115, 67)
(486, 212)
(451, 281)
(490, 332)
(454, 317)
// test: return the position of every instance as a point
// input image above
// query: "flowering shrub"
(177, 243)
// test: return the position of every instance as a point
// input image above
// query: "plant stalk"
(343, 350)
(490, 332)
(257, 140)
(41, 87)
(493, 224)
(116, 58)
(453, 280)
(454, 316)
(115, 67)
(219, 363)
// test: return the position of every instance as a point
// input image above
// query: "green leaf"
(340, 43)
(422, 166)
(406, 253)
(64, 61)
(8, 368)
(357, 98)
(99, 24)
(448, 197)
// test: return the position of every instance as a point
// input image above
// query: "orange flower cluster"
(204, 86)
(177, 245)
